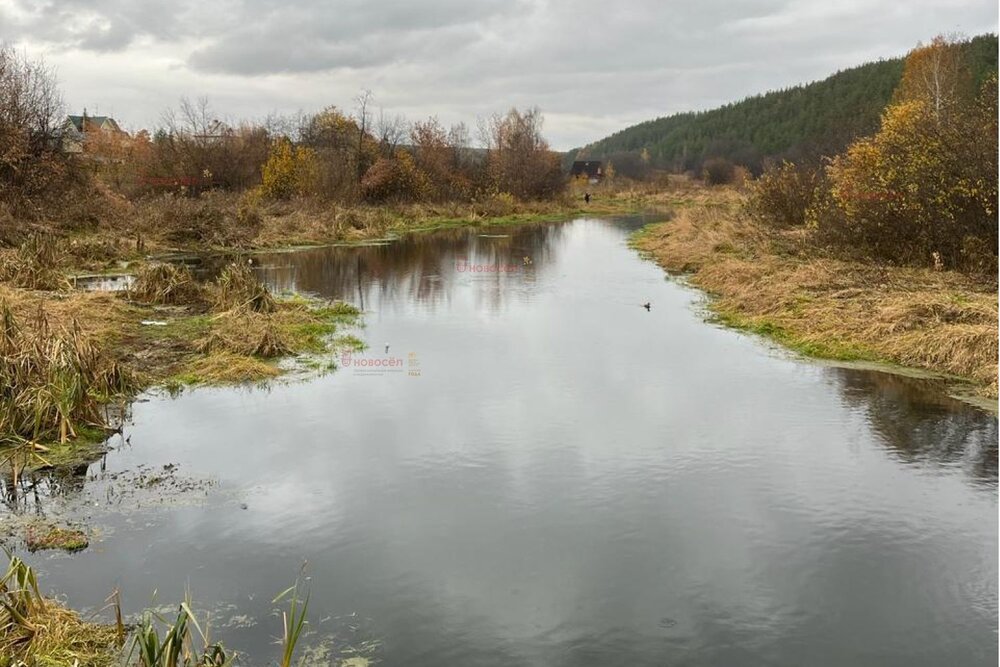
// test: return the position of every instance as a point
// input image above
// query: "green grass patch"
(832, 349)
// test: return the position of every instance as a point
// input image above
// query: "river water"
(540, 471)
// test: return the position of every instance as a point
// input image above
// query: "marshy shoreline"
(167, 330)
(897, 319)
(174, 333)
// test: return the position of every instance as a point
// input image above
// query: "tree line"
(359, 156)
(801, 123)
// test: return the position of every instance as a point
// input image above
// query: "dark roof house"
(592, 169)
(87, 123)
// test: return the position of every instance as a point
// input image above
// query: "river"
(528, 467)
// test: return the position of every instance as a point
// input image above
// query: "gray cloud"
(593, 66)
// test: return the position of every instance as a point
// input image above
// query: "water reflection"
(571, 479)
(419, 269)
(920, 423)
(34, 491)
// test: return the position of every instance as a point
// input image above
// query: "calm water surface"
(551, 475)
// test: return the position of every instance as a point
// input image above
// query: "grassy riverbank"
(777, 284)
(70, 356)
(231, 222)
(86, 350)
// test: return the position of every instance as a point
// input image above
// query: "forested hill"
(801, 122)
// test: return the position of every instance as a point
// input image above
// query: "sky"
(592, 66)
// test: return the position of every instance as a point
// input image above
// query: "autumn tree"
(923, 189)
(438, 154)
(519, 160)
(395, 179)
(936, 74)
(196, 148)
(342, 149)
(112, 155)
(290, 170)
(390, 131)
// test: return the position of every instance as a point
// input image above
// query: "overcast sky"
(592, 66)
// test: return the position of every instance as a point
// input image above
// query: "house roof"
(77, 121)
(589, 167)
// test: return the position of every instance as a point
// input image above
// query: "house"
(592, 170)
(77, 129)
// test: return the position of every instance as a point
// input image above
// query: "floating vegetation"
(226, 368)
(55, 537)
(248, 335)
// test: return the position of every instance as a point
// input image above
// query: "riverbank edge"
(696, 255)
(118, 322)
(160, 341)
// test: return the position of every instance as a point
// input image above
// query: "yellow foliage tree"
(289, 170)
(923, 189)
(935, 74)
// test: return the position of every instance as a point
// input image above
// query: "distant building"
(77, 129)
(593, 170)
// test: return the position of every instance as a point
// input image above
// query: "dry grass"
(773, 283)
(65, 355)
(38, 631)
(53, 379)
(233, 220)
(310, 221)
(166, 284)
(227, 368)
(35, 265)
(247, 334)
(238, 289)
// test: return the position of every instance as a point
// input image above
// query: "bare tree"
(519, 160)
(390, 132)
(31, 110)
(363, 102)
(29, 94)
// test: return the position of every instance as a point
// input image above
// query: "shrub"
(496, 205)
(718, 171)
(782, 195)
(290, 170)
(909, 192)
(395, 179)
